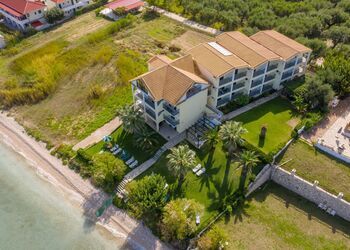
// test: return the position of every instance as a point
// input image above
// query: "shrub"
(53, 15)
(119, 203)
(92, 6)
(95, 92)
(64, 152)
(242, 100)
(214, 239)
(174, 48)
(129, 65)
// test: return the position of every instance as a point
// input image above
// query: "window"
(39, 11)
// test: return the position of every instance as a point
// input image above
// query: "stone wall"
(329, 151)
(310, 191)
(261, 178)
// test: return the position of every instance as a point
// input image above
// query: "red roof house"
(128, 5)
(19, 8)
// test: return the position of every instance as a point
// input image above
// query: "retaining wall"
(310, 191)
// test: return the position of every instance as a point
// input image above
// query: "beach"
(127, 232)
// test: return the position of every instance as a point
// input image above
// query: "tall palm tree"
(248, 160)
(212, 137)
(231, 133)
(131, 118)
(180, 160)
(145, 139)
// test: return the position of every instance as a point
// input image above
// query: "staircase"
(120, 190)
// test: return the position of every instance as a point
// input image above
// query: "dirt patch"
(293, 122)
(190, 39)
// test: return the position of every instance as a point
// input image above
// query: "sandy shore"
(128, 232)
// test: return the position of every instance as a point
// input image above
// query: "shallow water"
(34, 215)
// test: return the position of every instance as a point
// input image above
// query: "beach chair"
(114, 148)
(130, 163)
(200, 172)
(198, 219)
(320, 205)
(131, 160)
(117, 151)
(134, 164)
(333, 212)
(199, 166)
(329, 210)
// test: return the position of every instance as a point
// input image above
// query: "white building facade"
(211, 75)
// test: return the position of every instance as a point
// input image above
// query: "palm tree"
(248, 160)
(231, 133)
(145, 139)
(131, 118)
(180, 160)
(212, 137)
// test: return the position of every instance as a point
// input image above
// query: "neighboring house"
(67, 6)
(22, 14)
(127, 5)
(177, 93)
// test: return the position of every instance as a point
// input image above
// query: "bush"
(64, 152)
(119, 203)
(53, 15)
(95, 92)
(92, 6)
(311, 119)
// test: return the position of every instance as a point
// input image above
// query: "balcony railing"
(258, 72)
(287, 74)
(223, 101)
(223, 91)
(151, 113)
(269, 77)
(272, 67)
(150, 102)
(257, 82)
(139, 95)
(240, 75)
(170, 109)
(225, 80)
(289, 64)
(255, 92)
(172, 121)
(267, 87)
(238, 85)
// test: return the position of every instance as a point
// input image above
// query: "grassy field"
(74, 61)
(276, 218)
(277, 115)
(314, 165)
(209, 189)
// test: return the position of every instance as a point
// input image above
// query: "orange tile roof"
(279, 44)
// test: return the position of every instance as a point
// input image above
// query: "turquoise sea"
(34, 215)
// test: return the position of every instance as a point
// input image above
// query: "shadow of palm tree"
(240, 212)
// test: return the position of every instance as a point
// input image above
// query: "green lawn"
(126, 141)
(313, 165)
(276, 218)
(210, 188)
(279, 118)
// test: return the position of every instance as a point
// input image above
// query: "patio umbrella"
(107, 138)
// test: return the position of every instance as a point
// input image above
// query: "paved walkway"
(187, 22)
(97, 136)
(250, 106)
(149, 163)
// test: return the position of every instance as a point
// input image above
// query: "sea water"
(34, 215)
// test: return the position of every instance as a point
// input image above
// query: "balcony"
(257, 82)
(151, 113)
(255, 92)
(240, 75)
(267, 87)
(272, 67)
(287, 74)
(225, 80)
(258, 72)
(173, 122)
(238, 86)
(269, 77)
(224, 90)
(170, 109)
(289, 64)
(150, 102)
(139, 95)
(223, 102)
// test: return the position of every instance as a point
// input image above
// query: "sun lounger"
(200, 172)
(131, 160)
(198, 219)
(333, 212)
(199, 166)
(116, 146)
(134, 164)
(320, 205)
(329, 210)
(117, 151)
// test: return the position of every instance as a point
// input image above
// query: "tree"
(147, 196)
(318, 46)
(107, 170)
(179, 219)
(338, 34)
(146, 140)
(180, 160)
(231, 133)
(53, 15)
(317, 94)
(212, 137)
(248, 160)
(299, 103)
(131, 118)
(216, 238)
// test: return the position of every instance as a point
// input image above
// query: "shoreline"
(128, 232)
